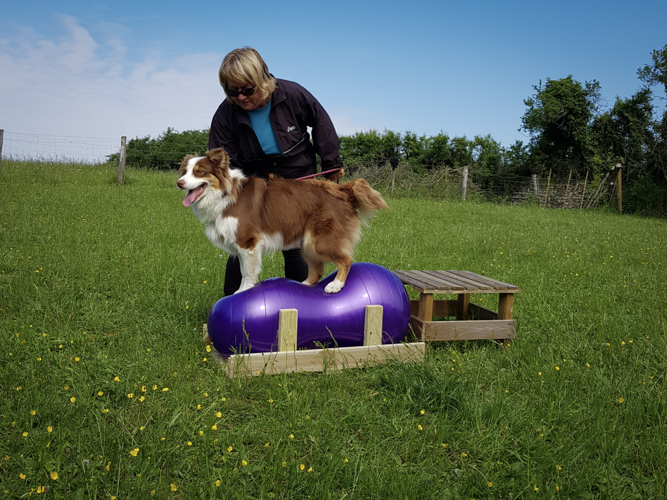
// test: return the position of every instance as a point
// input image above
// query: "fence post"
(2, 135)
(121, 162)
(536, 189)
(546, 196)
(465, 183)
(583, 193)
(620, 190)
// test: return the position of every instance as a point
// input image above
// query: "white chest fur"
(222, 233)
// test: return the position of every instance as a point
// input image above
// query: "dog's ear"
(218, 156)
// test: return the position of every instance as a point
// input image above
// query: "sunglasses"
(248, 91)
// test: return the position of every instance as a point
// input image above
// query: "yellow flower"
(142, 399)
(557, 368)
(620, 400)
(32, 412)
(244, 463)
(208, 348)
(134, 452)
(284, 464)
(72, 399)
(422, 412)
(116, 379)
(489, 484)
(558, 467)
(173, 487)
(201, 433)
(214, 427)
(464, 455)
(536, 488)
(420, 428)
(291, 436)
(77, 359)
(143, 388)
(302, 466)
(270, 400)
(266, 445)
(539, 373)
(218, 482)
(310, 469)
(100, 393)
(154, 387)
(130, 395)
(219, 414)
(22, 476)
(165, 390)
(40, 490)
(108, 466)
(189, 443)
(54, 475)
(230, 449)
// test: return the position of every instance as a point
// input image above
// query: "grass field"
(107, 391)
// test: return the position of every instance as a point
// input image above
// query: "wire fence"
(439, 183)
(57, 148)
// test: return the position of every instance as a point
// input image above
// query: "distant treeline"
(568, 135)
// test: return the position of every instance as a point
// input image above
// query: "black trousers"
(295, 269)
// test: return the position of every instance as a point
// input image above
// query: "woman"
(263, 126)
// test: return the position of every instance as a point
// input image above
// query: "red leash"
(320, 173)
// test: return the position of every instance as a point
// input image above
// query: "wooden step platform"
(472, 321)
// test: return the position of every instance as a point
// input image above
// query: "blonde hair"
(247, 67)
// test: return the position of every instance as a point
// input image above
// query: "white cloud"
(77, 85)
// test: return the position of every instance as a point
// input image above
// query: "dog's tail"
(364, 198)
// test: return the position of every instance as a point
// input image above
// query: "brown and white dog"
(247, 216)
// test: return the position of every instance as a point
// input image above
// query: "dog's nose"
(180, 183)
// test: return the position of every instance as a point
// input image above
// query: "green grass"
(104, 290)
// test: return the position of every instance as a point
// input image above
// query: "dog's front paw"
(334, 287)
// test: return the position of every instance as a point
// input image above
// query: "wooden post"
(121, 163)
(288, 320)
(583, 193)
(373, 325)
(393, 174)
(536, 189)
(546, 196)
(620, 190)
(465, 183)
(567, 190)
(2, 135)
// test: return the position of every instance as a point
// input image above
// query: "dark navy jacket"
(293, 110)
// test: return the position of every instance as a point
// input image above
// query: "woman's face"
(249, 102)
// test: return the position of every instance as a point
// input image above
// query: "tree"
(558, 119)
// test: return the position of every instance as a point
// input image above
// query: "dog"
(247, 216)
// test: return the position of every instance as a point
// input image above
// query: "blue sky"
(106, 69)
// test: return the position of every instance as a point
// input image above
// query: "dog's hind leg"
(315, 270)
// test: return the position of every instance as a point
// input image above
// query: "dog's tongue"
(191, 197)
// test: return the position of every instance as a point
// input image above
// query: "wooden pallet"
(472, 321)
(290, 360)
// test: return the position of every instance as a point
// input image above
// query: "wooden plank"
(468, 282)
(498, 285)
(318, 360)
(439, 281)
(373, 325)
(473, 279)
(417, 285)
(469, 330)
(288, 320)
(206, 337)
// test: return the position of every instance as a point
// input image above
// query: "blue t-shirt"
(259, 119)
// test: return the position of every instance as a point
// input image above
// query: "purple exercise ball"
(248, 321)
